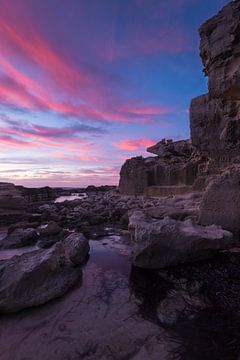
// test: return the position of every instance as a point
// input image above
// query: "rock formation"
(175, 166)
(214, 117)
(12, 204)
(214, 120)
(221, 201)
(168, 242)
(36, 277)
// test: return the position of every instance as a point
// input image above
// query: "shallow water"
(114, 314)
(93, 321)
(70, 197)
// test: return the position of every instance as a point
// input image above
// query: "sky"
(86, 84)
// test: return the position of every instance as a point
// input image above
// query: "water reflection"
(73, 196)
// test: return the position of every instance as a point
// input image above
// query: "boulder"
(221, 202)
(19, 238)
(51, 229)
(76, 248)
(34, 278)
(169, 242)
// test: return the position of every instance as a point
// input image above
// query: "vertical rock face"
(12, 204)
(174, 166)
(214, 117)
(10, 197)
(220, 50)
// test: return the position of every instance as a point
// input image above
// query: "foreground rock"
(76, 248)
(19, 238)
(39, 276)
(221, 202)
(169, 242)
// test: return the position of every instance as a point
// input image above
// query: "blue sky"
(85, 84)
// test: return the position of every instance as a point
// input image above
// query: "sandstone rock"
(19, 238)
(221, 202)
(215, 127)
(12, 204)
(214, 120)
(168, 242)
(10, 197)
(51, 229)
(220, 49)
(167, 148)
(35, 278)
(76, 248)
(139, 174)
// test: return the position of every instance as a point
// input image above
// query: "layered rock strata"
(12, 204)
(214, 120)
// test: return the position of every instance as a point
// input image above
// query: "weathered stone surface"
(35, 278)
(10, 197)
(169, 242)
(76, 248)
(12, 204)
(215, 128)
(137, 174)
(167, 148)
(221, 201)
(19, 238)
(214, 118)
(51, 229)
(220, 52)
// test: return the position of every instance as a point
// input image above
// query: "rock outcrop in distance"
(12, 204)
(214, 121)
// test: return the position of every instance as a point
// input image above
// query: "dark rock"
(168, 242)
(35, 278)
(19, 238)
(76, 248)
(51, 229)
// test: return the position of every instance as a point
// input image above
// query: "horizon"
(84, 85)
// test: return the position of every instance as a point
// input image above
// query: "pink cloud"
(133, 145)
(84, 93)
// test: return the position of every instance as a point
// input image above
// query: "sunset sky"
(85, 84)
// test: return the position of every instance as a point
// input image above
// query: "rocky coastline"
(146, 270)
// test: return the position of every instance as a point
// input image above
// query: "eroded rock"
(19, 238)
(221, 202)
(35, 278)
(169, 242)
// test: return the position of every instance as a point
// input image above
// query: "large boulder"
(35, 278)
(221, 202)
(19, 238)
(76, 248)
(169, 242)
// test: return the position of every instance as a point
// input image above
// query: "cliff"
(214, 120)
